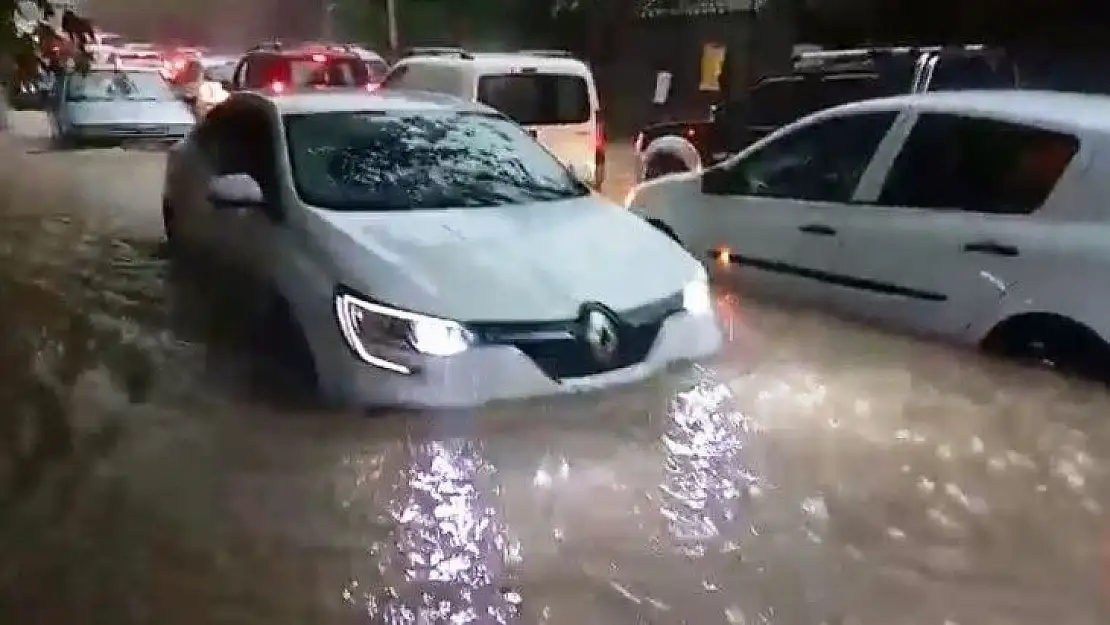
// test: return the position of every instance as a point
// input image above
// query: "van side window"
(537, 98)
(954, 162)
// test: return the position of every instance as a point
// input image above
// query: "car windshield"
(108, 85)
(421, 161)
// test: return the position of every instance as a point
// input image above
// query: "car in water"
(414, 249)
(976, 217)
(113, 105)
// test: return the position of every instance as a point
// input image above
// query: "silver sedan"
(109, 105)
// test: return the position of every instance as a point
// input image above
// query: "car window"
(239, 139)
(837, 90)
(257, 72)
(778, 102)
(821, 162)
(537, 98)
(415, 161)
(109, 85)
(972, 72)
(955, 162)
(322, 71)
(378, 69)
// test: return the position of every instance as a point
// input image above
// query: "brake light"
(277, 86)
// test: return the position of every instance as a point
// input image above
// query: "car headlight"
(382, 336)
(697, 298)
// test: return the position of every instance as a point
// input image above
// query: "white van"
(549, 92)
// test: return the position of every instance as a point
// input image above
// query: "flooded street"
(817, 472)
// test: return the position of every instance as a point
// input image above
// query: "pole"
(326, 23)
(391, 20)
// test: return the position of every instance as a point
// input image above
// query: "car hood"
(169, 112)
(532, 262)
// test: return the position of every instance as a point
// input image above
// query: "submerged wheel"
(1053, 341)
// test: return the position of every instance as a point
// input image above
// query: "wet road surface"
(817, 472)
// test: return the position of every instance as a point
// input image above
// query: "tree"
(34, 35)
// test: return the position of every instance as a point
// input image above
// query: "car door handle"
(991, 247)
(818, 229)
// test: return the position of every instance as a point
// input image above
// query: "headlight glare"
(381, 336)
(696, 297)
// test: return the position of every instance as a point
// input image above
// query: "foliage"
(26, 29)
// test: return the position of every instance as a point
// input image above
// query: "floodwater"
(817, 472)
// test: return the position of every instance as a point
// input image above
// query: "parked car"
(820, 79)
(113, 105)
(978, 217)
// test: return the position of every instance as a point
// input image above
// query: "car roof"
(1067, 110)
(502, 61)
(355, 99)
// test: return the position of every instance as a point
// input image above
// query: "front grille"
(560, 351)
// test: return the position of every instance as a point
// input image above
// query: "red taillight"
(277, 86)
(599, 136)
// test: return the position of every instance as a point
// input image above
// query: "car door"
(934, 243)
(778, 213)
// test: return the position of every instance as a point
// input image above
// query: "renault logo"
(600, 334)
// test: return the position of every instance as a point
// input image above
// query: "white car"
(426, 251)
(979, 217)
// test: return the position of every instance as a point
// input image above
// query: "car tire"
(664, 164)
(1053, 341)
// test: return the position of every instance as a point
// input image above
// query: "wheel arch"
(670, 145)
(1008, 328)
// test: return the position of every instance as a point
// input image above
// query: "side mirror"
(227, 85)
(235, 191)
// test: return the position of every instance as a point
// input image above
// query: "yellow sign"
(712, 59)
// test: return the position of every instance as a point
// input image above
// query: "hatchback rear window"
(537, 99)
(331, 72)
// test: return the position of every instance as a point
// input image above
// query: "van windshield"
(537, 98)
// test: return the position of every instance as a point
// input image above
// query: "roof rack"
(554, 54)
(437, 51)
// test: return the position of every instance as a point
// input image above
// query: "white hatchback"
(420, 250)
(976, 216)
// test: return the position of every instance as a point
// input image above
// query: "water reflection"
(707, 478)
(450, 550)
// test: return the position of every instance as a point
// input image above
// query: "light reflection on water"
(449, 547)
